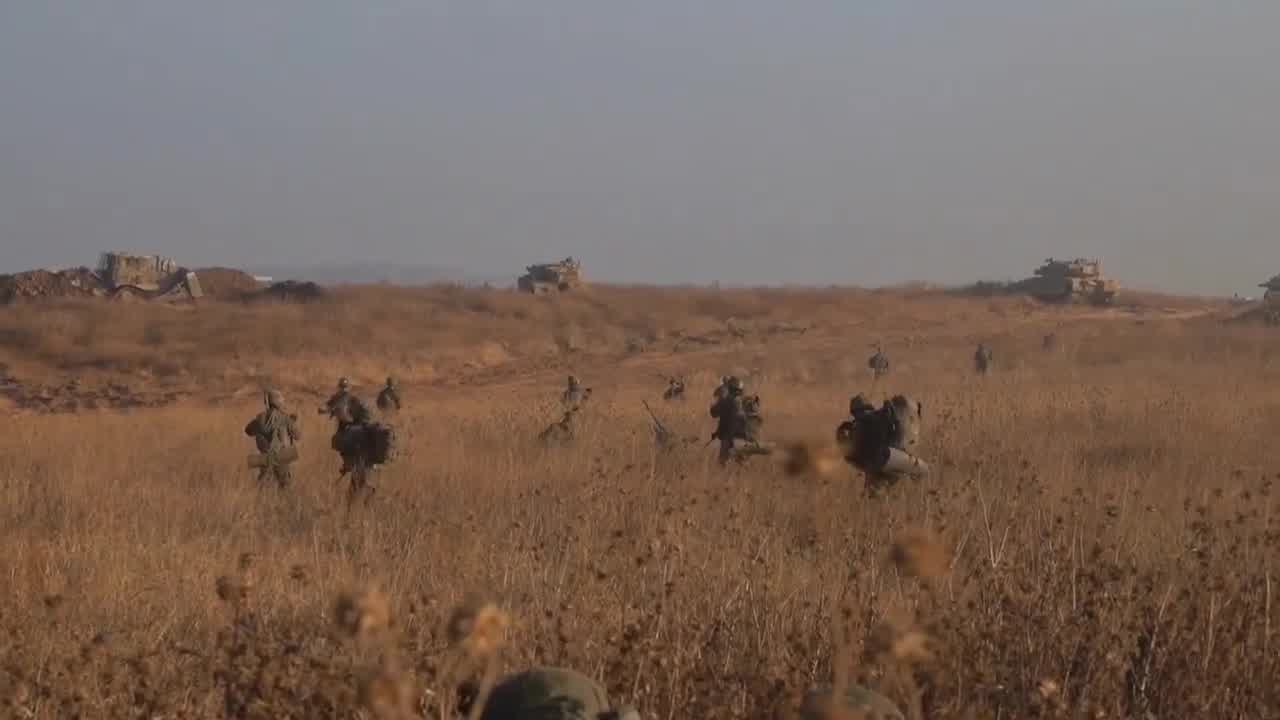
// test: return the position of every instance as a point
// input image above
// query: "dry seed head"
(387, 695)
(478, 627)
(918, 553)
(897, 637)
(298, 573)
(233, 590)
(363, 614)
(246, 561)
(805, 458)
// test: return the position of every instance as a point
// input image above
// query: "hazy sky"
(836, 141)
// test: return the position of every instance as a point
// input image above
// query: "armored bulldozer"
(150, 277)
(551, 277)
(1079, 280)
(1272, 294)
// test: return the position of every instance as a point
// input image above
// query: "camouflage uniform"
(389, 398)
(574, 393)
(722, 390)
(338, 404)
(561, 432)
(552, 694)
(352, 414)
(274, 430)
(982, 359)
(859, 702)
(879, 364)
(879, 442)
(738, 417)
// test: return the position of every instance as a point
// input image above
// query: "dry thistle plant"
(919, 553)
(476, 631)
(811, 458)
(362, 615)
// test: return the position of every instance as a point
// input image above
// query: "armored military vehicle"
(1078, 280)
(551, 277)
(149, 277)
(1272, 294)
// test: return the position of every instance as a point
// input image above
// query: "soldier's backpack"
(380, 440)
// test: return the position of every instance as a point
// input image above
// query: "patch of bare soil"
(36, 284)
(72, 396)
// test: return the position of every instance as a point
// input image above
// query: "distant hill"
(367, 273)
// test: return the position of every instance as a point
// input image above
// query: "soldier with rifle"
(276, 434)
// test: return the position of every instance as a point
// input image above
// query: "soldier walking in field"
(982, 359)
(574, 394)
(389, 398)
(879, 363)
(881, 442)
(337, 403)
(276, 434)
(737, 418)
(350, 438)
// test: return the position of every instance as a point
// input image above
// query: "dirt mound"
(37, 284)
(292, 291)
(226, 283)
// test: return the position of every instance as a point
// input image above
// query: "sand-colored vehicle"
(1272, 294)
(1078, 280)
(149, 277)
(546, 278)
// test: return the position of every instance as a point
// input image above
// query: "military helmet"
(275, 399)
(858, 404)
(343, 383)
(391, 382)
(734, 383)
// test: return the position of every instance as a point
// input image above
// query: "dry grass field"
(1106, 514)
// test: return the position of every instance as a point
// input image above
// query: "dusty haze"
(664, 141)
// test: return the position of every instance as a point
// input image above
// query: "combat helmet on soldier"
(550, 693)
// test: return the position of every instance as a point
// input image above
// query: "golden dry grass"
(1107, 541)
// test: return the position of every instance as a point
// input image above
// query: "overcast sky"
(822, 141)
